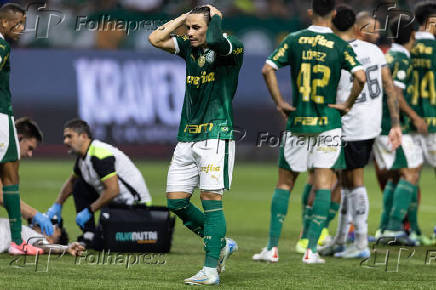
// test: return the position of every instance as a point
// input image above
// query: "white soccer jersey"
(103, 161)
(364, 119)
(27, 234)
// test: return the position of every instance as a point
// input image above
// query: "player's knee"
(178, 204)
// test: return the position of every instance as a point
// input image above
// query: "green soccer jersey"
(398, 59)
(5, 93)
(423, 97)
(211, 82)
(316, 56)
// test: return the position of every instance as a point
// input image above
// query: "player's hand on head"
(44, 223)
(395, 137)
(214, 11)
(285, 109)
(420, 124)
(342, 108)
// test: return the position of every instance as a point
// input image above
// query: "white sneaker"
(355, 253)
(230, 247)
(312, 258)
(271, 256)
(206, 276)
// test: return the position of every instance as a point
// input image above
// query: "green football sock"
(401, 202)
(388, 195)
(321, 208)
(305, 198)
(11, 201)
(279, 209)
(192, 216)
(308, 211)
(412, 213)
(214, 231)
(334, 207)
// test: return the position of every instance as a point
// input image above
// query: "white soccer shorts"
(207, 165)
(303, 152)
(428, 146)
(408, 155)
(9, 145)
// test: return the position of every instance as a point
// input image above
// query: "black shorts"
(357, 153)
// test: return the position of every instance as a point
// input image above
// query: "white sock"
(359, 205)
(343, 218)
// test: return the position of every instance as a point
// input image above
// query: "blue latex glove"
(82, 217)
(44, 223)
(55, 210)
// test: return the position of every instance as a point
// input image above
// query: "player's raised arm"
(214, 37)
(161, 37)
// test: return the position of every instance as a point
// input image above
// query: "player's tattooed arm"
(358, 85)
(395, 135)
(392, 100)
(161, 37)
(270, 77)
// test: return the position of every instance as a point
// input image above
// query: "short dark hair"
(345, 17)
(11, 8)
(28, 128)
(423, 10)
(323, 7)
(205, 10)
(402, 27)
(79, 126)
(64, 238)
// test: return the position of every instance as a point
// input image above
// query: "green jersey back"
(399, 64)
(5, 68)
(211, 82)
(316, 56)
(423, 99)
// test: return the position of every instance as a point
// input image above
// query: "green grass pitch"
(247, 214)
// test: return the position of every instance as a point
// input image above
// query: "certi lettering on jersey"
(316, 57)
(197, 129)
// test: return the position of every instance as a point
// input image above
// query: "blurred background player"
(12, 19)
(360, 127)
(204, 154)
(424, 94)
(102, 175)
(406, 161)
(29, 136)
(313, 138)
